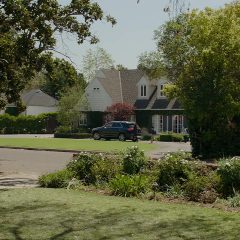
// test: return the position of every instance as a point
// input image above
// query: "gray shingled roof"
(130, 78)
(121, 85)
(36, 97)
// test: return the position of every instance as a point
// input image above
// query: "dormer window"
(143, 90)
(161, 92)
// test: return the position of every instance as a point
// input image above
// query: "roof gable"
(36, 97)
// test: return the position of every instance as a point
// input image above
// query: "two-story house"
(152, 108)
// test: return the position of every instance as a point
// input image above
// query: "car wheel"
(96, 136)
(121, 137)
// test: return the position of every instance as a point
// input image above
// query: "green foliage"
(195, 186)
(134, 160)
(94, 168)
(174, 191)
(172, 137)
(59, 179)
(73, 135)
(126, 186)
(152, 64)
(71, 105)
(234, 201)
(95, 60)
(105, 169)
(59, 77)
(229, 173)
(173, 169)
(146, 137)
(82, 167)
(200, 52)
(42, 123)
(28, 37)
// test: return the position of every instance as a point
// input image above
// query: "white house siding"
(98, 98)
(35, 110)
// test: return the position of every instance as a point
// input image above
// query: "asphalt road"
(22, 167)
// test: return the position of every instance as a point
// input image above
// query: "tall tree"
(201, 54)
(94, 60)
(27, 37)
(61, 75)
(71, 105)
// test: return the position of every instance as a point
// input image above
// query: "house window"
(161, 93)
(143, 90)
(83, 119)
(157, 123)
(177, 123)
(160, 123)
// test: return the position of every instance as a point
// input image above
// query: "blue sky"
(133, 33)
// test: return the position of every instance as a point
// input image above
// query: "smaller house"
(36, 102)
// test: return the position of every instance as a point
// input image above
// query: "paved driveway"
(22, 167)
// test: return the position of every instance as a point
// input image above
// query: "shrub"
(82, 167)
(234, 201)
(195, 186)
(43, 123)
(73, 135)
(173, 169)
(94, 168)
(134, 160)
(59, 179)
(126, 186)
(229, 173)
(175, 191)
(105, 169)
(172, 137)
(63, 129)
(146, 137)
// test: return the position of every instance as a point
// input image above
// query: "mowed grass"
(73, 144)
(67, 214)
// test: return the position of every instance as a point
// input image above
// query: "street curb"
(54, 150)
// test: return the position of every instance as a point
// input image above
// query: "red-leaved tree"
(119, 112)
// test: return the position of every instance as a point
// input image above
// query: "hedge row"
(43, 123)
(172, 137)
(73, 135)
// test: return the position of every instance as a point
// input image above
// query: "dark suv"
(121, 130)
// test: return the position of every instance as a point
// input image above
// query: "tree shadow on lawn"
(61, 221)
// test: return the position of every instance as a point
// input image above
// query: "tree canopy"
(95, 60)
(27, 37)
(201, 54)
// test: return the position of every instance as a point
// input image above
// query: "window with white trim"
(161, 92)
(177, 123)
(83, 119)
(143, 90)
(158, 123)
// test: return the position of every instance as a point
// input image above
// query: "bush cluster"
(43, 123)
(67, 132)
(59, 179)
(127, 186)
(73, 135)
(134, 160)
(172, 137)
(229, 172)
(176, 175)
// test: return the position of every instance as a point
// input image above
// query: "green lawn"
(73, 144)
(66, 214)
